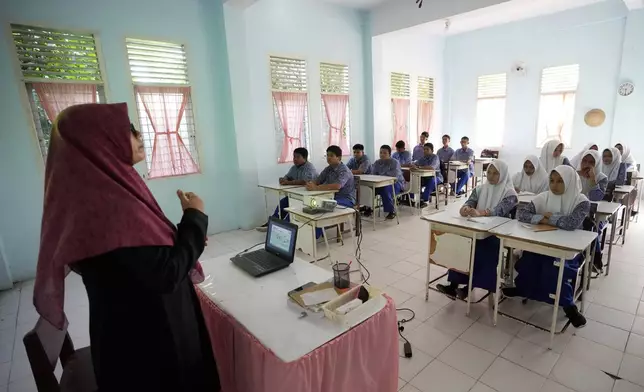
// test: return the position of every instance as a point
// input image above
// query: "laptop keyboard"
(263, 260)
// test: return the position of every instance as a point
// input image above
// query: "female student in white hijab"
(563, 206)
(576, 160)
(533, 178)
(627, 158)
(613, 166)
(496, 197)
(552, 155)
(591, 173)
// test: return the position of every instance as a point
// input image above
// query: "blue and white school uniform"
(627, 158)
(304, 172)
(535, 183)
(616, 170)
(598, 191)
(463, 175)
(418, 152)
(427, 183)
(362, 163)
(391, 168)
(404, 157)
(537, 274)
(499, 200)
(340, 174)
(548, 160)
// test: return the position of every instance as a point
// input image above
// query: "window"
(164, 103)
(425, 95)
(59, 69)
(557, 103)
(400, 95)
(290, 105)
(334, 85)
(490, 109)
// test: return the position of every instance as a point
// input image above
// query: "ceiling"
(363, 4)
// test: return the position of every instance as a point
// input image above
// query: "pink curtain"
(401, 115)
(424, 117)
(291, 108)
(164, 109)
(55, 97)
(336, 114)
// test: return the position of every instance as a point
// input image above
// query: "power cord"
(401, 328)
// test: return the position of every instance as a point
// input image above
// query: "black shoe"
(462, 293)
(576, 319)
(448, 290)
(392, 215)
(510, 292)
(423, 204)
(367, 212)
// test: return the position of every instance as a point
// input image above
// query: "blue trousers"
(462, 177)
(485, 261)
(343, 201)
(280, 209)
(387, 196)
(537, 278)
(428, 187)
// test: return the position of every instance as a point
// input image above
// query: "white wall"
(306, 29)
(413, 53)
(590, 36)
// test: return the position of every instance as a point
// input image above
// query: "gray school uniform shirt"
(467, 155)
(305, 172)
(363, 164)
(342, 175)
(434, 162)
(403, 157)
(445, 154)
(388, 167)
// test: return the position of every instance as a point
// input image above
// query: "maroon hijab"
(95, 201)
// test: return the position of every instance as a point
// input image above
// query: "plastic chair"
(45, 344)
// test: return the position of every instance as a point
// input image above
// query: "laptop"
(278, 252)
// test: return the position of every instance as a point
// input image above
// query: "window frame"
(567, 137)
(488, 89)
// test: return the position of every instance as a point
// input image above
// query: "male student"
(465, 155)
(445, 153)
(419, 149)
(360, 163)
(387, 166)
(300, 173)
(336, 176)
(429, 161)
(401, 155)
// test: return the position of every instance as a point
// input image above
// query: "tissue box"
(372, 306)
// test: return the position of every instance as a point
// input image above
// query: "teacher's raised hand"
(190, 200)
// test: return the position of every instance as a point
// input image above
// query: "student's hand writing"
(311, 186)
(465, 210)
(474, 212)
(190, 200)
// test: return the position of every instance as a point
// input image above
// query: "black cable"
(401, 328)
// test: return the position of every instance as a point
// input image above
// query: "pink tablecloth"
(362, 359)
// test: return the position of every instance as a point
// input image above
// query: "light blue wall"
(199, 24)
(591, 37)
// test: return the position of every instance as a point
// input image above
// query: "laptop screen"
(280, 238)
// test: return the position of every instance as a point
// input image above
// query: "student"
(419, 149)
(336, 176)
(576, 160)
(360, 163)
(387, 166)
(593, 181)
(496, 197)
(626, 155)
(532, 178)
(300, 173)
(445, 153)
(613, 167)
(401, 155)
(563, 206)
(551, 155)
(464, 154)
(429, 161)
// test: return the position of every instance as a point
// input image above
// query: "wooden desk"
(560, 244)
(607, 211)
(280, 190)
(373, 182)
(455, 166)
(298, 193)
(322, 220)
(450, 222)
(526, 198)
(416, 184)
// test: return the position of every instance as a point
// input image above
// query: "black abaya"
(146, 327)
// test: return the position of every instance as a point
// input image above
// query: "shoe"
(423, 204)
(510, 292)
(462, 293)
(391, 216)
(448, 290)
(367, 212)
(263, 228)
(576, 319)
(451, 193)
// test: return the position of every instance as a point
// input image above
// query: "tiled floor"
(452, 352)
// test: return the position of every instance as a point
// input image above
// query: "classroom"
(373, 195)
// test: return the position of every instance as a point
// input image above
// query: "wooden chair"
(45, 344)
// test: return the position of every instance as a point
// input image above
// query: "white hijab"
(563, 204)
(611, 171)
(491, 195)
(626, 156)
(576, 160)
(548, 161)
(599, 167)
(537, 182)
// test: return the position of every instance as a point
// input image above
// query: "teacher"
(100, 219)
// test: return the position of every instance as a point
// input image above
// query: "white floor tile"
(452, 319)
(480, 387)
(488, 338)
(410, 285)
(619, 302)
(406, 268)
(410, 367)
(635, 345)
(401, 383)
(430, 340)
(441, 377)
(604, 334)
(610, 316)
(594, 354)
(626, 386)
(640, 309)
(580, 377)
(398, 296)
(409, 388)
(503, 323)
(638, 326)
(632, 369)
(4, 373)
(423, 309)
(531, 356)
(467, 358)
(630, 291)
(551, 386)
(504, 376)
